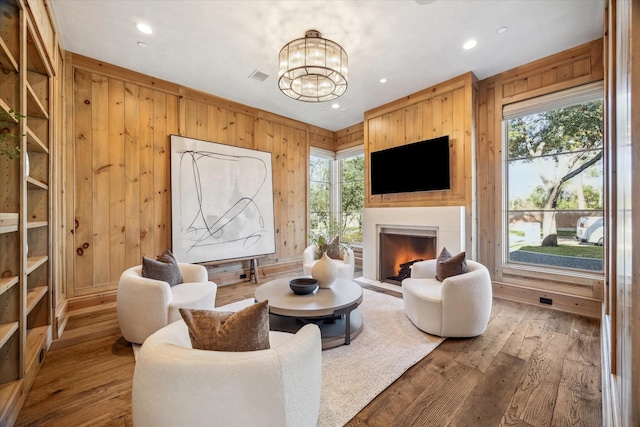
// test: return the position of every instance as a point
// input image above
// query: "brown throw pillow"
(333, 249)
(245, 330)
(451, 267)
(165, 269)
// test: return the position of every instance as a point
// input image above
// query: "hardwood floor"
(532, 367)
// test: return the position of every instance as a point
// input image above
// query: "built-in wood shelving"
(34, 106)
(34, 262)
(7, 61)
(7, 283)
(8, 228)
(35, 341)
(9, 222)
(37, 224)
(6, 109)
(34, 184)
(34, 296)
(34, 144)
(8, 393)
(6, 331)
(26, 88)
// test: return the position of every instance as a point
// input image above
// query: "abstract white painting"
(222, 201)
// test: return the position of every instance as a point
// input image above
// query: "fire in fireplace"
(400, 248)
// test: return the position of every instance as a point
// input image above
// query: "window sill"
(559, 274)
(581, 283)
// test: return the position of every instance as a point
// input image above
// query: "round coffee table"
(334, 310)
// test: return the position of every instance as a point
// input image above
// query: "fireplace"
(400, 248)
(446, 224)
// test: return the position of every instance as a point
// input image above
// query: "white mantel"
(447, 221)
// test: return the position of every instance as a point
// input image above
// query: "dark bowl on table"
(303, 286)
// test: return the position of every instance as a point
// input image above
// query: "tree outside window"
(352, 197)
(319, 194)
(336, 195)
(554, 178)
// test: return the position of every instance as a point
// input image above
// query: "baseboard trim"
(62, 316)
(91, 301)
(574, 304)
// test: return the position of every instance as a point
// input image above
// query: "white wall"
(447, 221)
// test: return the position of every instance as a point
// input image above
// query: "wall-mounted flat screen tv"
(419, 166)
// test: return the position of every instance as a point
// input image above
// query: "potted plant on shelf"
(9, 142)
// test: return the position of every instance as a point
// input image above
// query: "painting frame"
(221, 201)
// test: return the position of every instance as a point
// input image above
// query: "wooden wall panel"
(289, 148)
(445, 109)
(45, 28)
(434, 112)
(121, 194)
(120, 169)
(59, 212)
(352, 136)
(571, 68)
(132, 173)
(117, 184)
(322, 138)
(145, 157)
(83, 183)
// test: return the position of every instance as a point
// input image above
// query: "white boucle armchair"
(459, 306)
(146, 305)
(346, 266)
(175, 385)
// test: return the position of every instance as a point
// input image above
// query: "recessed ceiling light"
(142, 44)
(335, 106)
(144, 28)
(470, 44)
(502, 30)
(383, 80)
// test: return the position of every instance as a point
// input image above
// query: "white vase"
(324, 271)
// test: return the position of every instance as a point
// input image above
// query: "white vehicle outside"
(590, 229)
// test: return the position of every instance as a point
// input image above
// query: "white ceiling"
(214, 45)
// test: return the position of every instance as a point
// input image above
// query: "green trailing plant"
(324, 240)
(9, 142)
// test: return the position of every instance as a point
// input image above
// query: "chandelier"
(313, 69)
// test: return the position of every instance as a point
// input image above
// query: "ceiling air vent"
(258, 75)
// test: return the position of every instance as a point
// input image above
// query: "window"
(320, 206)
(351, 178)
(554, 180)
(336, 192)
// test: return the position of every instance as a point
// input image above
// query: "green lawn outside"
(583, 251)
(566, 233)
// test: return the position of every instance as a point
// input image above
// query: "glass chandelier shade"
(313, 69)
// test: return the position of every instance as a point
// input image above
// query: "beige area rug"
(353, 375)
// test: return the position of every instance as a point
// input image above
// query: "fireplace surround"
(400, 248)
(445, 223)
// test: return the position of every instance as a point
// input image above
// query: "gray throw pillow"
(165, 268)
(444, 255)
(451, 267)
(245, 330)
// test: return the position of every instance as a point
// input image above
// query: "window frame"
(335, 171)
(322, 154)
(580, 94)
(341, 155)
